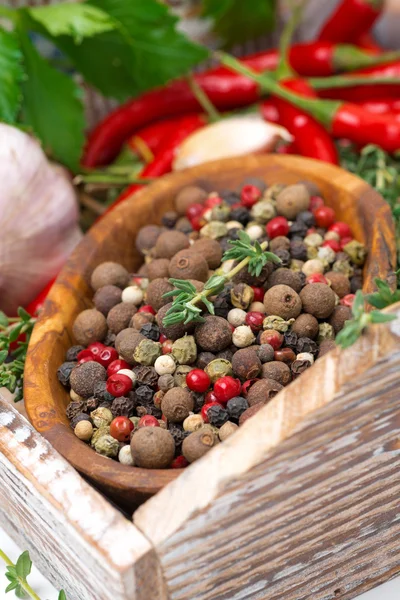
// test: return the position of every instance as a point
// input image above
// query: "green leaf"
(216, 281)
(73, 19)
(3, 356)
(237, 21)
(52, 107)
(62, 595)
(23, 565)
(144, 52)
(209, 305)
(3, 319)
(11, 586)
(378, 317)
(20, 592)
(358, 304)
(11, 76)
(11, 572)
(15, 332)
(376, 300)
(25, 316)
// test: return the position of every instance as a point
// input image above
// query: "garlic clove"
(234, 136)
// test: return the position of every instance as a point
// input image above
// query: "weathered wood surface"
(75, 537)
(303, 502)
(113, 239)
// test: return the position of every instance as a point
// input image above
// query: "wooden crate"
(301, 504)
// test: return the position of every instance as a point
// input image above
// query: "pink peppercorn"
(249, 195)
(148, 421)
(226, 388)
(119, 385)
(276, 227)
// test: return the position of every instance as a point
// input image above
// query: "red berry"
(272, 337)
(205, 408)
(324, 216)
(210, 397)
(198, 222)
(163, 338)
(226, 388)
(311, 230)
(179, 462)
(315, 202)
(254, 320)
(276, 227)
(347, 300)
(249, 195)
(194, 210)
(198, 380)
(333, 244)
(96, 348)
(167, 347)
(148, 421)
(345, 241)
(341, 228)
(246, 386)
(317, 278)
(147, 309)
(84, 356)
(258, 293)
(120, 429)
(117, 365)
(107, 356)
(138, 281)
(119, 385)
(212, 201)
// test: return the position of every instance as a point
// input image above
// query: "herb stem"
(4, 556)
(203, 99)
(21, 580)
(111, 179)
(8, 13)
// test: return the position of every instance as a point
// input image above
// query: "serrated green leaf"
(11, 586)
(237, 21)
(77, 20)
(23, 565)
(378, 317)
(62, 595)
(11, 76)
(52, 107)
(3, 319)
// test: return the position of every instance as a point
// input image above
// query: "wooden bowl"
(114, 239)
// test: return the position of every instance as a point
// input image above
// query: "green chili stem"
(8, 13)
(203, 99)
(339, 81)
(284, 70)
(111, 179)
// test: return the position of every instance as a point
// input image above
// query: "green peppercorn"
(277, 323)
(356, 251)
(147, 352)
(98, 433)
(101, 416)
(214, 230)
(220, 212)
(106, 445)
(184, 350)
(242, 295)
(180, 375)
(218, 368)
(325, 332)
(263, 211)
(343, 266)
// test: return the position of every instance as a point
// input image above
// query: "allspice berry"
(246, 364)
(339, 316)
(263, 391)
(171, 242)
(227, 430)
(172, 332)
(126, 342)
(292, 200)
(188, 265)
(120, 316)
(189, 195)
(84, 377)
(152, 448)
(158, 268)
(284, 276)
(214, 334)
(278, 371)
(155, 292)
(109, 273)
(318, 299)
(280, 242)
(89, 326)
(250, 412)
(147, 237)
(283, 301)
(177, 404)
(140, 319)
(210, 250)
(106, 298)
(305, 326)
(198, 443)
(339, 283)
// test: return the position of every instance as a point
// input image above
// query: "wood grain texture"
(303, 502)
(113, 239)
(75, 537)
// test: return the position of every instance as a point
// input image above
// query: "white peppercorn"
(313, 240)
(305, 356)
(227, 430)
(165, 365)
(75, 397)
(193, 422)
(237, 317)
(84, 430)
(133, 295)
(234, 225)
(125, 456)
(128, 373)
(243, 336)
(255, 232)
(257, 307)
(313, 266)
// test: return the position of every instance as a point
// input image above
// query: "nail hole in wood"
(337, 592)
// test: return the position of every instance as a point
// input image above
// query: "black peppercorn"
(225, 354)
(109, 340)
(74, 408)
(144, 395)
(236, 407)
(198, 400)
(146, 375)
(305, 344)
(151, 331)
(217, 415)
(123, 407)
(307, 218)
(225, 245)
(80, 417)
(356, 284)
(299, 366)
(203, 359)
(64, 372)
(290, 340)
(240, 214)
(100, 392)
(169, 219)
(298, 228)
(222, 303)
(178, 433)
(229, 197)
(73, 352)
(285, 257)
(91, 404)
(298, 250)
(233, 233)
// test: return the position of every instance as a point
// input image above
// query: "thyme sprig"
(361, 319)
(12, 361)
(185, 307)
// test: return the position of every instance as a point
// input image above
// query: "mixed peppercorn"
(158, 392)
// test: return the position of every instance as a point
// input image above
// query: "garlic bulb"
(234, 136)
(38, 219)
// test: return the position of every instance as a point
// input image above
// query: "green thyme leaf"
(62, 595)
(23, 565)
(3, 319)
(11, 586)
(378, 317)
(209, 305)
(215, 282)
(358, 304)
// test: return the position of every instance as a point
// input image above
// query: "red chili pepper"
(382, 106)
(310, 137)
(153, 135)
(34, 307)
(350, 20)
(367, 42)
(269, 111)
(162, 162)
(226, 90)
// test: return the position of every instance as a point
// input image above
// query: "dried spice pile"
(239, 293)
